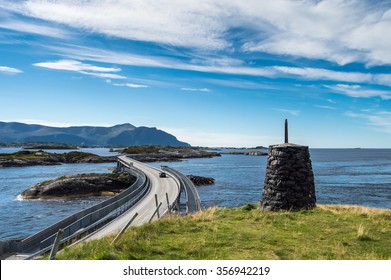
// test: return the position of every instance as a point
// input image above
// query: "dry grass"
(355, 209)
(326, 232)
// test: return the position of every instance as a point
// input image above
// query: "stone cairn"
(289, 181)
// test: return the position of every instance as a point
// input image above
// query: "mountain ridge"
(122, 134)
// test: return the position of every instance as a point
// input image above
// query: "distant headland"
(120, 135)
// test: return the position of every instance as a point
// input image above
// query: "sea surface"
(342, 176)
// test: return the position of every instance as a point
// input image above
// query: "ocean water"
(342, 176)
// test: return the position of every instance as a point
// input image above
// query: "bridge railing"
(173, 204)
(99, 217)
(193, 201)
(97, 214)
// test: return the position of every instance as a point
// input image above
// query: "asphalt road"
(147, 206)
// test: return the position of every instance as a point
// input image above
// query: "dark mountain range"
(123, 134)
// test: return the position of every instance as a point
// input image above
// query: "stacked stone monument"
(289, 181)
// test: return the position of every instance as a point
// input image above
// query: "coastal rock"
(201, 181)
(80, 185)
(30, 158)
(166, 154)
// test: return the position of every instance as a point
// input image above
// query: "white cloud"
(308, 73)
(326, 107)
(190, 23)
(381, 120)
(336, 30)
(73, 65)
(83, 68)
(106, 56)
(34, 28)
(291, 112)
(359, 92)
(9, 70)
(196, 89)
(102, 75)
(131, 85)
(324, 74)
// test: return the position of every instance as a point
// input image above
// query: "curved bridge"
(162, 198)
(193, 201)
(151, 197)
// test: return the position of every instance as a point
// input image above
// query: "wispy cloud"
(195, 89)
(73, 65)
(359, 92)
(380, 120)
(291, 112)
(131, 85)
(306, 73)
(9, 70)
(82, 68)
(337, 31)
(326, 107)
(324, 74)
(192, 23)
(34, 28)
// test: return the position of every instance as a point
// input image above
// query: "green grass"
(326, 232)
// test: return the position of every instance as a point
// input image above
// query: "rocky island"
(166, 153)
(80, 185)
(140, 153)
(93, 184)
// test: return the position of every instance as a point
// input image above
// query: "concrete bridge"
(149, 198)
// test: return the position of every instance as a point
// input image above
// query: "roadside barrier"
(193, 201)
(86, 220)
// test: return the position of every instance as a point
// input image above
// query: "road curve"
(193, 202)
(147, 206)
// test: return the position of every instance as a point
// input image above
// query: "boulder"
(201, 181)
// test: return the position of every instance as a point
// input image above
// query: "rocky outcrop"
(201, 181)
(172, 156)
(30, 158)
(80, 185)
(289, 181)
(251, 153)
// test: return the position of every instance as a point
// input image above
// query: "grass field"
(326, 232)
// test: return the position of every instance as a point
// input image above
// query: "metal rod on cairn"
(286, 131)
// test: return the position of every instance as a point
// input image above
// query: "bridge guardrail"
(187, 187)
(91, 227)
(87, 217)
(173, 204)
(93, 219)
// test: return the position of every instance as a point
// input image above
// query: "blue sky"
(213, 73)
